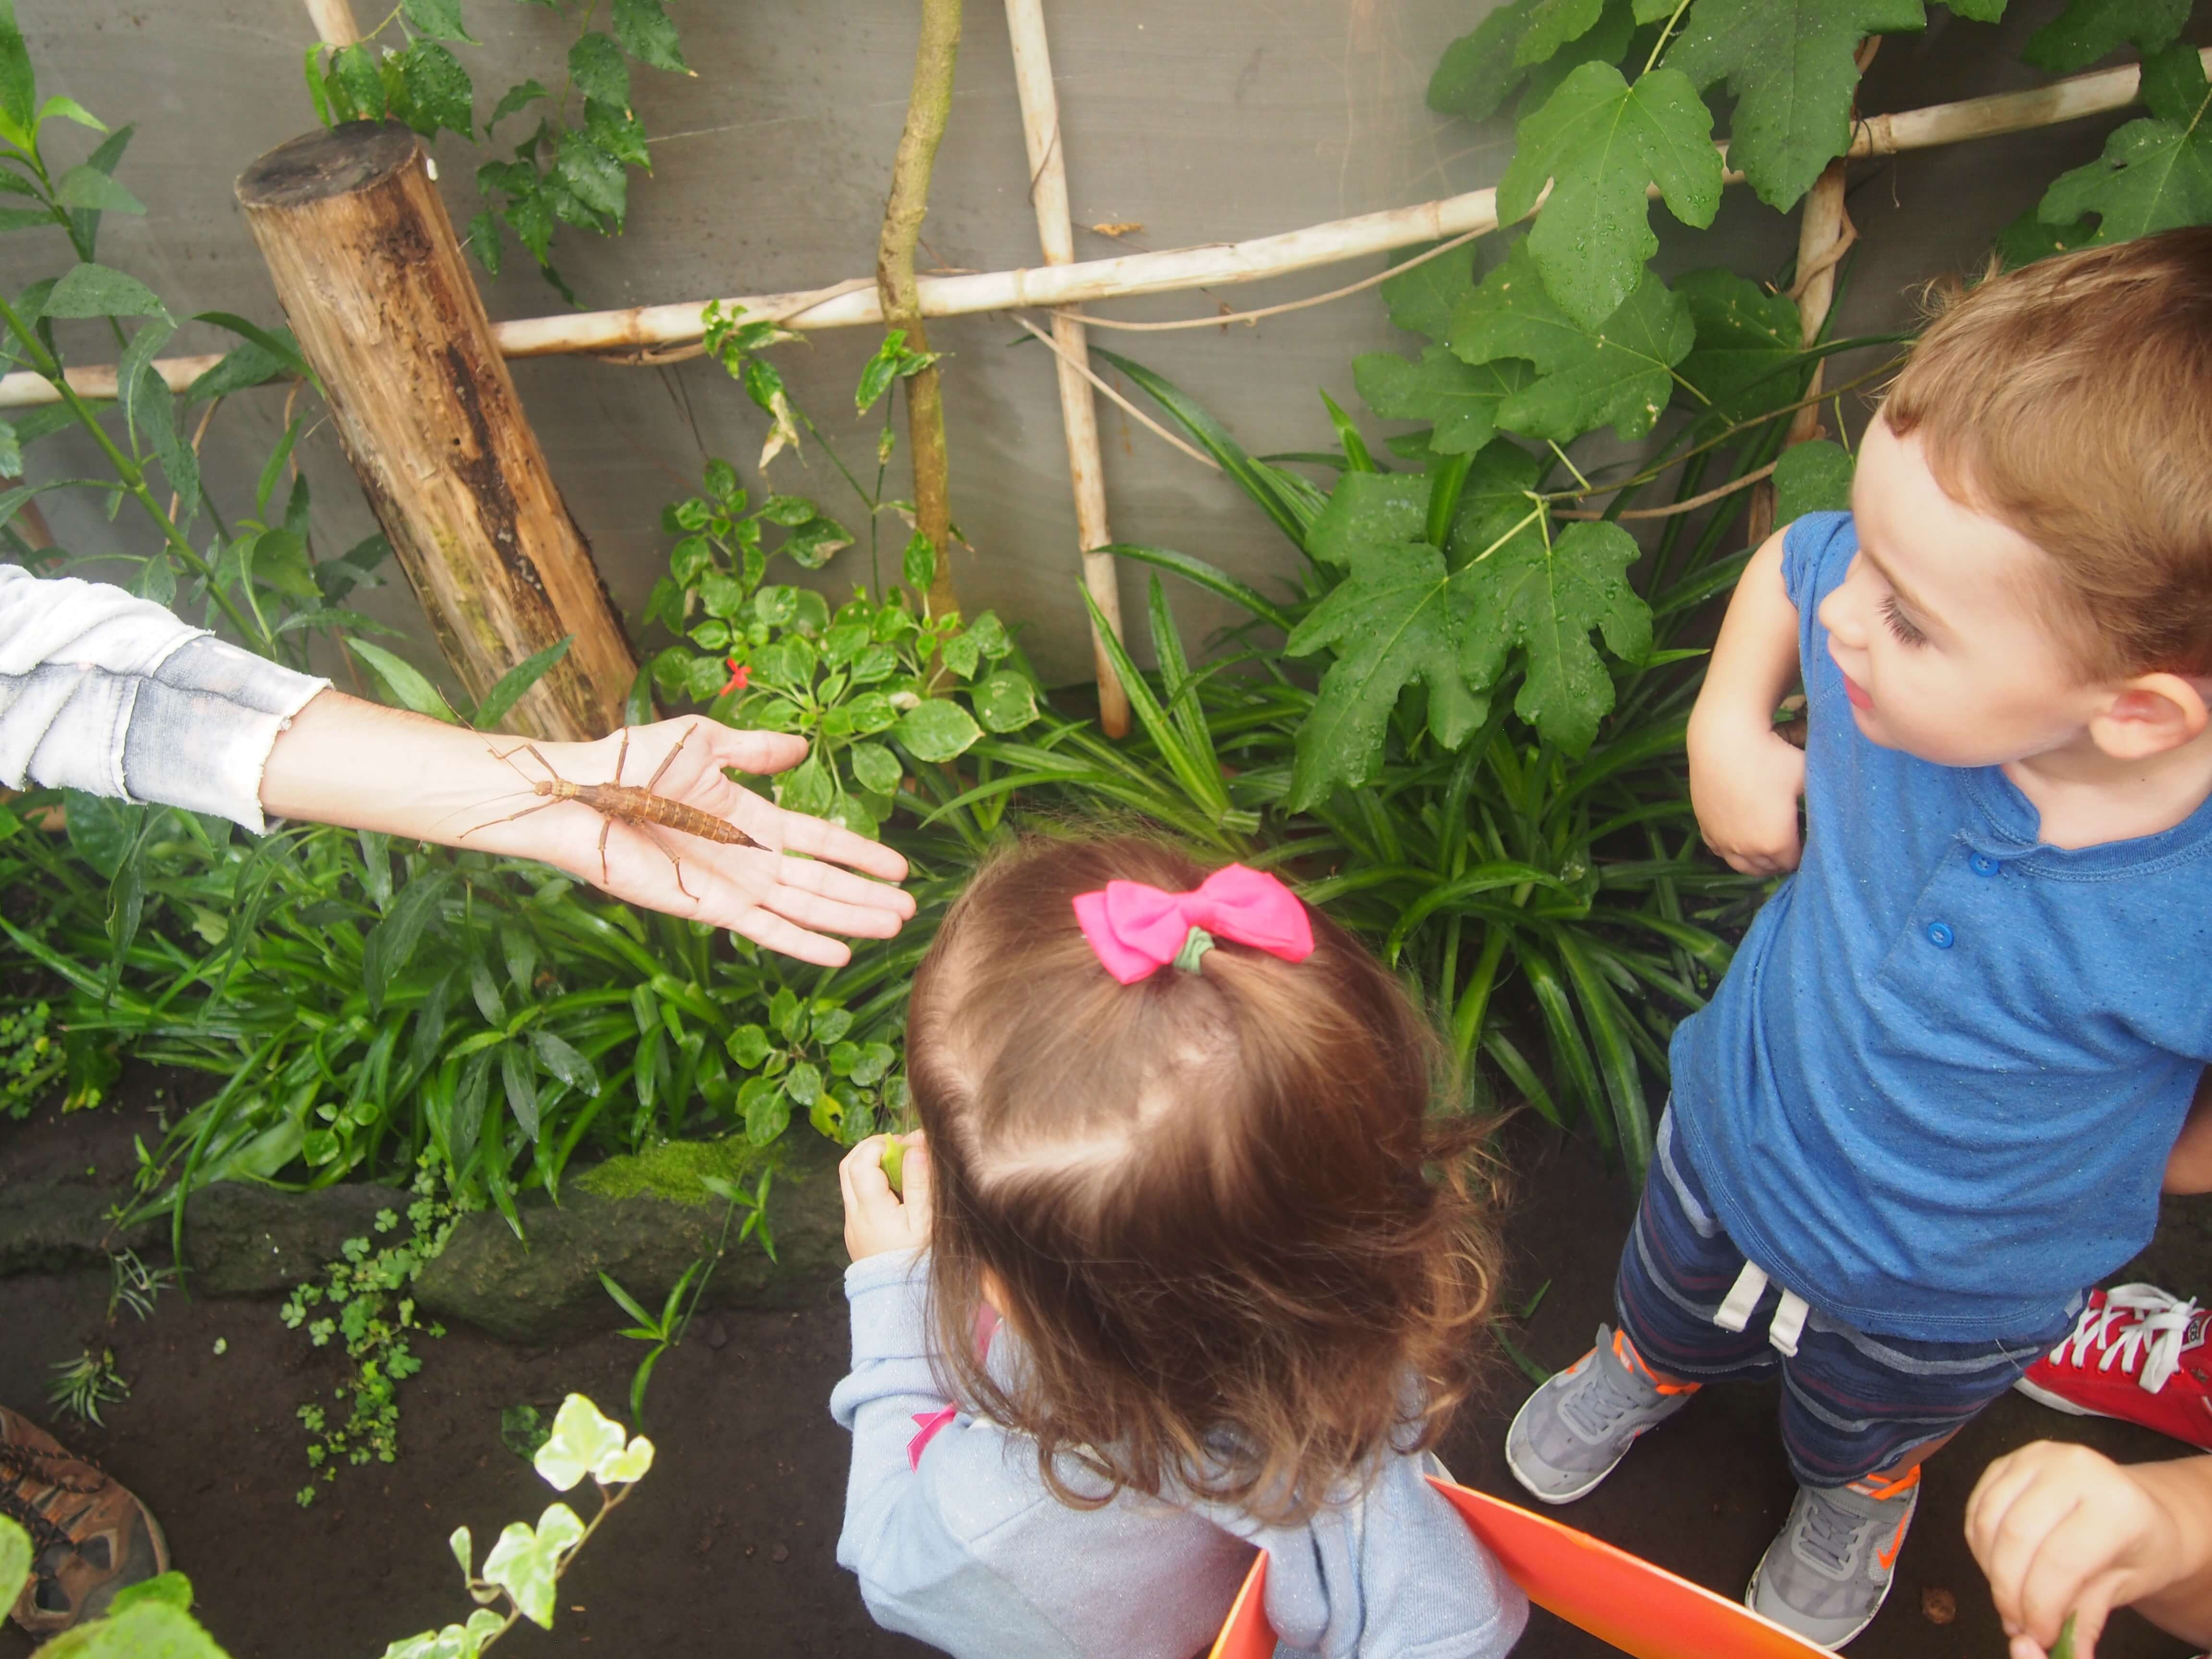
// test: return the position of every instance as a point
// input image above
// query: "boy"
(1934, 1096)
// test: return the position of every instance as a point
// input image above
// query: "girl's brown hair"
(1242, 1255)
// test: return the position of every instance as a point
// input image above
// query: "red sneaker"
(2138, 1354)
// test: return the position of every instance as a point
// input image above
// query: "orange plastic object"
(1620, 1599)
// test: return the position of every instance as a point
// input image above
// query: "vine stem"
(127, 471)
(1665, 35)
(900, 298)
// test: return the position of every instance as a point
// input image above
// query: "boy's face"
(1938, 626)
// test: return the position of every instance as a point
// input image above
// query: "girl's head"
(1239, 1254)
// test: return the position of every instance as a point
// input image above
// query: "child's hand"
(1744, 785)
(877, 1219)
(2059, 1530)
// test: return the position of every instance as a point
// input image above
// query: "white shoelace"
(2153, 1325)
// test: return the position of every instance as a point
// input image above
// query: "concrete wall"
(1201, 122)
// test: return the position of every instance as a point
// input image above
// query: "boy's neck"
(2084, 796)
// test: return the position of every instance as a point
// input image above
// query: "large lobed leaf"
(1790, 64)
(2155, 173)
(2089, 29)
(1598, 141)
(1746, 345)
(1618, 374)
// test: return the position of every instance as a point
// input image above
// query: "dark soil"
(728, 1545)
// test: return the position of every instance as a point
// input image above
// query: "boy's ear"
(2151, 714)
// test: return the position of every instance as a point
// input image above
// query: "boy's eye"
(1901, 624)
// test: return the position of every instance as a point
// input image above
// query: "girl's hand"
(878, 1219)
(1744, 786)
(2060, 1529)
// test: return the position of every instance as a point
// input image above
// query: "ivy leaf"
(1369, 510)
(1398, 619)
(1746, 342)
(1460, 400)
(2155, 173)
(2027, 239)
(2089, 29)
(1598, 141)
(1494, 505)
(599, 70)
(1552, 23)
(1604, 43)
(1619, 373)
(1814, 477)
(524, 1561)
(585, 1441)
(439, 19)
(1479, 71)
(439, 88)
(519, 96)
(1421, 299)
(1790, 64)
(1546, 601)
(643, 27)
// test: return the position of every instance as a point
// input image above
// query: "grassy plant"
(83, 1385)
(133, 1285)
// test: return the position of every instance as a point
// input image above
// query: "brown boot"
(93, 1538)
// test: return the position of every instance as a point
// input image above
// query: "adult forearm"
(2183, 1488)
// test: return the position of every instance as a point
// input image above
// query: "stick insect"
(620, 803)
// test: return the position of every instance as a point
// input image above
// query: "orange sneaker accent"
(1887, 1558)
(1881, 1490)
(1624, 1351)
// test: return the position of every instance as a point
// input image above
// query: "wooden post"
(372, 279)
(334, 22)
(1823, 236)
(1078, 414)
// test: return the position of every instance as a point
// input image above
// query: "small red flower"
(740, 675)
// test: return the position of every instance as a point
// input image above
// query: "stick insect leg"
(509, 819)
(654, 783)
(672, 858)
(605, 824)
(622, 757)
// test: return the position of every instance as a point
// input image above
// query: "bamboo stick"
(334, 22)
(928, 111)
(1078, 414)
(853, 304)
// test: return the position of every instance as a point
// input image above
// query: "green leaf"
(1545, 602)
(1619, 373)
(599, 69)
(519, 96)
(876, 769)
(439, 19)
(807, 787)
(149, 1630)
(1746, 341)
(439, 88)
(1815, 476)
(135, 385)
(918, 563)
(519, 1081)
(88, 190)
(767, 1109)
(1479, 71)
(19, 86)
(596, 178)
(15, 1550)
(1369, 510)
(1459, 399)
(90, 290)
(2027, 239)
(405, 682)
(643, 27)
(2089, 29)
(1598, 141)
(244, 365)
(618, 133)
(1005, 701)
(1790, 64)
(1396, 621)
(2155, 173)
(170, 1589)
(1607, 42)
(357, 83)
(525, 1563)
(559, 1057)
(936, 731)
(1551, 25)
(101, 829)
(1421, 299)
(515, 683)
(11, 452)
(748, 1045)
(391, 943)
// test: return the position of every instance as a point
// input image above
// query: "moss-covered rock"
(678, 1170)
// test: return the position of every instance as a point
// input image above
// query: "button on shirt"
(1936, 1093)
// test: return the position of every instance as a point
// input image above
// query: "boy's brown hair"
(2072, 401)
(1242, 1255)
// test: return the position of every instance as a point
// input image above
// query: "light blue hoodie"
(963, 1547)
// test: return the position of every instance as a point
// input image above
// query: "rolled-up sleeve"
(115, 695)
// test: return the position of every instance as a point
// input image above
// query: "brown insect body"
(625, 803)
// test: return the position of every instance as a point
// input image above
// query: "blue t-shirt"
(1936, 1093)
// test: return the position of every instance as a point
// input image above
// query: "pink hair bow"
(1137, 930)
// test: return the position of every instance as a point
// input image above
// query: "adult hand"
(2060, 1530)
(346, 762)
(878, 1219)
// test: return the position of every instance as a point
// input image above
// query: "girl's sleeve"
(114, 696)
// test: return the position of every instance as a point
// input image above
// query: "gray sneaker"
(1569, 1434)
(1827, 1572)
